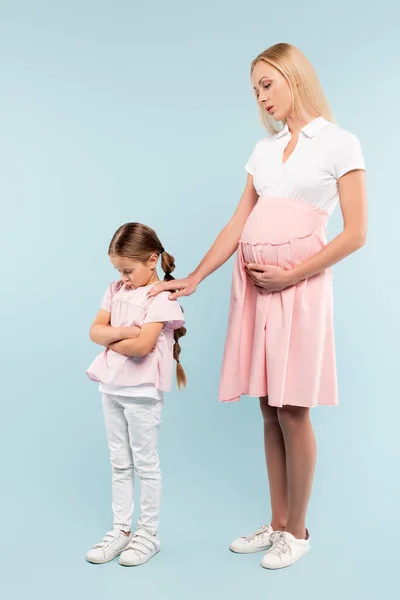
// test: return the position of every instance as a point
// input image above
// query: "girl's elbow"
(142, 351)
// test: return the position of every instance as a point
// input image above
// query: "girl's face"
(272, 91)
(134, 273)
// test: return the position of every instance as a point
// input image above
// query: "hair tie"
(162, 250)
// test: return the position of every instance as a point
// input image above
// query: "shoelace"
(108, 539)
(141, 544)
(280, 544)
(261, 531)
(274, 536)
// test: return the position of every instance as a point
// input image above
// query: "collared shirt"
(324, 153)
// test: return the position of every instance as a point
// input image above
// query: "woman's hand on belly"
(269, 278)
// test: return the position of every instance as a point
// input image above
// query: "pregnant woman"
(280, 341)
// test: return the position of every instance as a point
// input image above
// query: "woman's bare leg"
(300, 447)
(276, 465)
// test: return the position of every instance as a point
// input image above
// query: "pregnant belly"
(283, 232)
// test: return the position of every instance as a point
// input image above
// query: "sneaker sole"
(241, 551)
(275, 568)
(105, 560)
(126, 564)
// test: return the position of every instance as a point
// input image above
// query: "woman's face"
(272, 91)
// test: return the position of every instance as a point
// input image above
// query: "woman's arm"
(103, 334)
(221, 250)
(143, 344)
(353, 204)
(227, 241)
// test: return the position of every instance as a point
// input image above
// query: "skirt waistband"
(279, 220)
(297, 204)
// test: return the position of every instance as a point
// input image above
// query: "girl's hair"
(139, 242)
(307, 95)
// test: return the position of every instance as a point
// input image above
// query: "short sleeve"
(106, 303)
(348, 156)
(163, 310)
(251, 163)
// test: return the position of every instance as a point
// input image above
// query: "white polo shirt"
(324, 153)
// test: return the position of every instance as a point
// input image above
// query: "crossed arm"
(129, 341)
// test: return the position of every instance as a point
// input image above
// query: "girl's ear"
(153, 260)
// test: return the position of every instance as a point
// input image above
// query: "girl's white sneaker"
(112, 544)
(285, 551)
(258, 541)
(140, 549)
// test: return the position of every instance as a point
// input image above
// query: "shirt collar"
(283, 131)
(309, 130)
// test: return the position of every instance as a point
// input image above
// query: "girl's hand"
(180, 287)
(144, 344)
(129, 333)
(120, 348)
(268, 278)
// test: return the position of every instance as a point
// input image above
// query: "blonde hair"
(139, 242)
(308, 98)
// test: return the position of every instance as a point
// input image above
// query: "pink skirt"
(281, 344)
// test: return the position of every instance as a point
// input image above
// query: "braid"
(168, 266)
(180, 372)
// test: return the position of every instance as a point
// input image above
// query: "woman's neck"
(296, 122)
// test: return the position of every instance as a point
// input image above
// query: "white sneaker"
(256, 542)
(285, 551)
(140, 549)
(112, 544)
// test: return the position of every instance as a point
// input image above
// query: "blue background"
(120, 111)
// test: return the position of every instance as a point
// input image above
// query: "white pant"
(132, 426)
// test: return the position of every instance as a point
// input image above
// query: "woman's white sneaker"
(112, 544)
(258, 541)
(285, 551)
(141, 548)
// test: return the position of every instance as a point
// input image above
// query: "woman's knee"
(269, 413)
(292, 416)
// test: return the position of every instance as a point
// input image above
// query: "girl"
(141, 339)
(280, 342)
